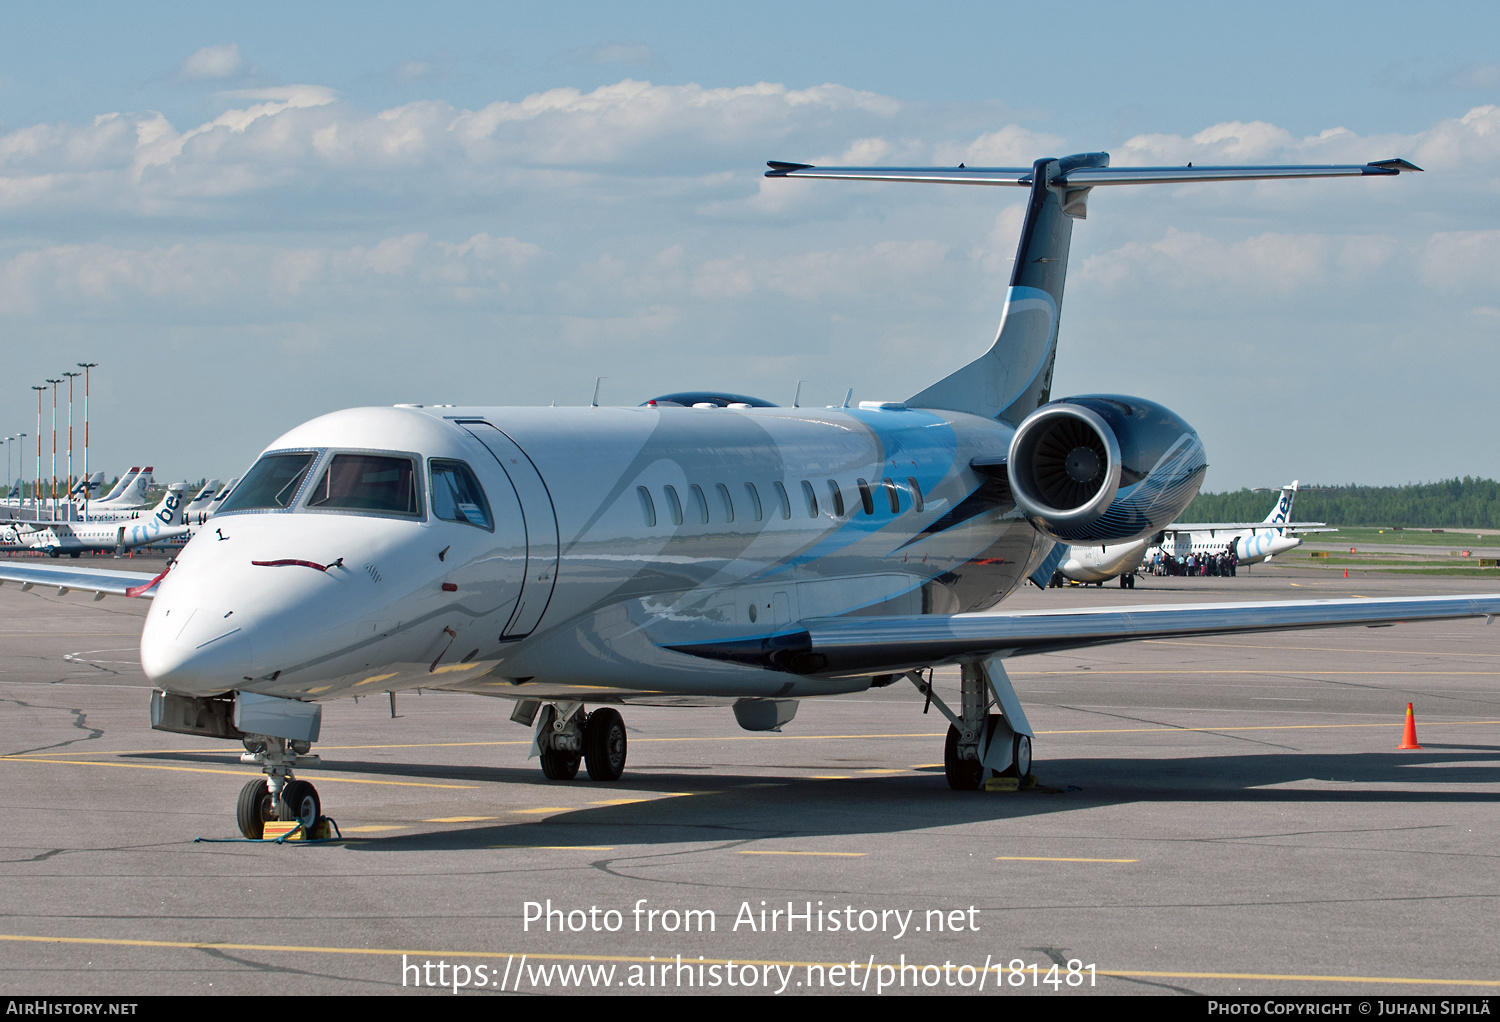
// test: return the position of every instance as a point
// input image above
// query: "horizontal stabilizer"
(851, 646)
(1088, 177)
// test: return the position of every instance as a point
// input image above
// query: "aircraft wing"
(872, 645)
(1242, 526)
(101, 583)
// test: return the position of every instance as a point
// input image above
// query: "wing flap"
(871, 645)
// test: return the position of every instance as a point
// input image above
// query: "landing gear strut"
(566, 736)
(981, 744)
(278, 796)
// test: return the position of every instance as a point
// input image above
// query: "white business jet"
(1252, 542)
(691, 555)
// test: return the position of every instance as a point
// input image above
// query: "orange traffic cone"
(1346, 572)
(1409, 736)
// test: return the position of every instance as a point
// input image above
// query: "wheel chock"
(1003, 784)
(324, 830)
(282, 830)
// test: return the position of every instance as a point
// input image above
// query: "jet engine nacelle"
(1103, 468)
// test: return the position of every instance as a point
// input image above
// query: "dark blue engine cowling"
(1103, 468)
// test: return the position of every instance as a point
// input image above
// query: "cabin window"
(916, 492)
(725, 500)
(271, 484)
(754, 495)
(783, 499)
(837, 496)
(674, 506)
(648, 506)
(810, 498)
(457, 495)
(892, 495)
(700, 503)
(367, 482)
(865, 497)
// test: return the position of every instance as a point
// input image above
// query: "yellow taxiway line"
(235, 773)
(642, 959)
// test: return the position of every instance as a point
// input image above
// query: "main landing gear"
(981, 744)
(567, 737)
(278, 795)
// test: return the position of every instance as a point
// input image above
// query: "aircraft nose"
(197, 650)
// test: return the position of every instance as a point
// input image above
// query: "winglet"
(780, 169)
(1395, 166)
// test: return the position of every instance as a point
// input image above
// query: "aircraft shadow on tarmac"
(719, 805)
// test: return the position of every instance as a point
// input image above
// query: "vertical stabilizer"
(1282, 512)
(120, 484)
(1014, 378)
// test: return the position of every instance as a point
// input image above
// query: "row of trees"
(1459, 503)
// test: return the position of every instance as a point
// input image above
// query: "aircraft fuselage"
(614, 533)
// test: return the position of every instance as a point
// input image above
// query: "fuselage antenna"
(848, 397)
(595, 402)
(797, 397)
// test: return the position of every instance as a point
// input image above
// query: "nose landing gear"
(278, 796)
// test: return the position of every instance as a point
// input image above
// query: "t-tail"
(1014, 378)
(1282, 512)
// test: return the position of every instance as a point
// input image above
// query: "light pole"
(8, 494)
(70, 377)
(53, 494)
(36, 484)
(21, 497)
(86, 366)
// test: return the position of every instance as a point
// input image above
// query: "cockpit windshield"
(367, 482)
(271, 484)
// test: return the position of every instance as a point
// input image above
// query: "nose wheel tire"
(560, 766)
(255, 809)
(604, 745)
(299, 802)
(963, 774)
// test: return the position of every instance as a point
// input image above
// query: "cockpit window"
(271, 484)
(457, 495)
(367, 482)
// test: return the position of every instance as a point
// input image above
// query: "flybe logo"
(169, 509)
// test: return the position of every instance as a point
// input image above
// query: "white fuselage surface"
(613, 534)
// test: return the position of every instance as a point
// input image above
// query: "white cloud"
(1271, 262)
(1450, 143)
(213, 62)
(98, 278)
(869, 270)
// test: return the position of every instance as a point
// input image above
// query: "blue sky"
(250, 218)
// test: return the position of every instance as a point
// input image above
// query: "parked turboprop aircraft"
(125, 532)
(701, 554)
(1253, 542)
